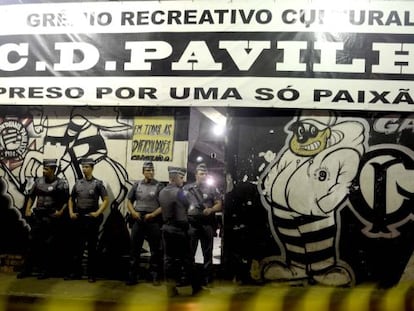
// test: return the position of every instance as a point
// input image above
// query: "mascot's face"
(307, 139)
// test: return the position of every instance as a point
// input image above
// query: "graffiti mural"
(332, 192)
(80, 133)
(322, 156)
(67, 134)
(27, 136)
(30, 134)
(312, 197)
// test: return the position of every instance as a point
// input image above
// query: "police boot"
(155, 279)
(200, 290)
(132, 279)
(23, 274)
(172, 290)
(43, 276)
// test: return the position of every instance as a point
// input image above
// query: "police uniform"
(144, 197)
(51, 196)
(202, 227)
(85, 196)
(177, 247)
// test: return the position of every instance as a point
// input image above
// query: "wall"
(337, 212)
(30, 134)
(319, 197)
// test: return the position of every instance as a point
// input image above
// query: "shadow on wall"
(13, 228)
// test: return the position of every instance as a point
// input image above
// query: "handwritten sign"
(153, 138)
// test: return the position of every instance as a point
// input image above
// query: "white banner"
(291, 54)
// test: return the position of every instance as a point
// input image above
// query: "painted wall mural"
(83, 134)
(332, 190)
(312, 197)
(322, 156)
(30, 134)
(67, 134)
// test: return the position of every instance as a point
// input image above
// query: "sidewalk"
(79, 295)
(58, 294)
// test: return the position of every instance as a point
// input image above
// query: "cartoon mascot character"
(302, 188)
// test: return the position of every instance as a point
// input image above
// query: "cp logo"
(382, 193)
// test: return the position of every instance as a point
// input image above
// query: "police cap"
(50, 162)
(174, 170)
(88, 161)
(202, 167)
(148, 164)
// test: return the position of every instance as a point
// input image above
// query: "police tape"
(221, 297)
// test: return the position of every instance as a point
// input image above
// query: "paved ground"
(57, 294)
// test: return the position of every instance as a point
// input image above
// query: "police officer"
(87, 202)
(145, 212)
(50, 194)
(205, 202)
(177, 248)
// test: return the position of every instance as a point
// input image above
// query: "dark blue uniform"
(45, 231)
(202, 227)
(177, 247)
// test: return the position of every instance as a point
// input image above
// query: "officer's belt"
(143, 212)
(178, 224)
(43, 211)
(84, 211)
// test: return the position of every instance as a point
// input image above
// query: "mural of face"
(307, 139)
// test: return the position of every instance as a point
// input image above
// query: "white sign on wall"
(291, 54)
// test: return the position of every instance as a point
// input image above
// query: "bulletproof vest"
(200, 197)
(173, 204)
(146, 197)
(87, 196)
(208, 194)
(46, 193)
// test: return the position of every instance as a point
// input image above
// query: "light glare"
(218, 129)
